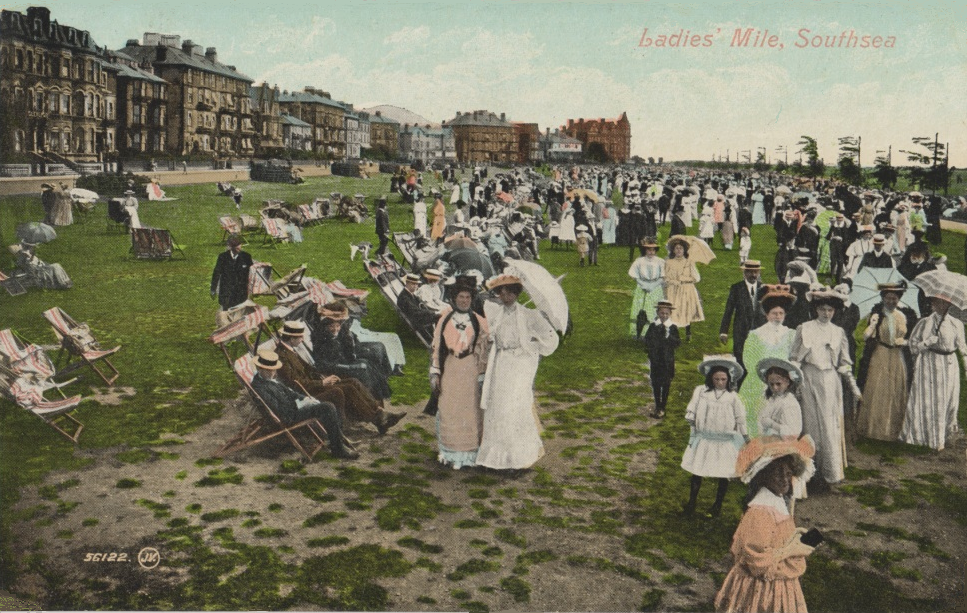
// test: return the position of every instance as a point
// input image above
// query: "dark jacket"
(746, 312)
(661, 349)
(382, 222)
(230, 278)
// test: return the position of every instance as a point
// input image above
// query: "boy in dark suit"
(661, 340)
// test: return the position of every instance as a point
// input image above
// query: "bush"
(112, 185)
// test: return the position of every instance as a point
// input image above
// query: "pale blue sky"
(547, 61)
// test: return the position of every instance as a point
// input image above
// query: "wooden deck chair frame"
(55, 413)
(88, 352)
(231, 227)
(274, 234)
(154, 244)
(264, 425)
(290, 283)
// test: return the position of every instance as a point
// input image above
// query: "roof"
(174, 56)
(307, 98)
(428, 131)
(564, 139)
(293, 121)
(398, 115)
(131, 72)
(479, 118)
(19, 25)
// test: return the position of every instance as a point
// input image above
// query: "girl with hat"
(582, 241)
(706, 225)
(716, 417)
(770, 340)
(821, 350)
(768, 552)
(458, 363)
(884, 366)
(781, 414)
(661, 340)
(681, 275)
(648, 271)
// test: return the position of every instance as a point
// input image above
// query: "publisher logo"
(149, 557)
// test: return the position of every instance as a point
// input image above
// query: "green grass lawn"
(161, 314)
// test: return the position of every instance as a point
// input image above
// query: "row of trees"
(929, 167)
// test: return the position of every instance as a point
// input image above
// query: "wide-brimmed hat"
(676, 240)
(501, 280)
(433, 274)
(894, 288)
(268, 360)
(293, 328)
(826, 295)
(724, 360)
(761, 451)
(334, 311)
(751, 265)
(128, 192)
(581, 228)
(766, 363)
(777, 295)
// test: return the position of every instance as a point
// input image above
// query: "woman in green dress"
(770, 340)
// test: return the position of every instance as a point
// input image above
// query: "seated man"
(337, 351)
(348, 395)
(292, 407)
(431, 292)
(409, 303)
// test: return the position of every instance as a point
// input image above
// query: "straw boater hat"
(878, 239)
(293, 328)
(648, 242)
(760, 452)
(751, 265)
(334, 311)
(412, 278)
(581, 228)
(501, 280)
(777, 295)
(766, 363)
(724, 360)
(664, 303)
(867, 228)
(432, 274)
(268, 360)
(891, 288)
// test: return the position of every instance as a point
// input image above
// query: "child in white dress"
(781, 414)
(745, 245)
(717, 419)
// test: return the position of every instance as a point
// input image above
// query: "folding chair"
(76, 341)
(260, 279)
(154, 244)
(263, 424)
(243, 319)
(249, 224)
(13, 285)
(117, 217)
(231, 227)
(290, 283)
(275, 232)
(26, 372)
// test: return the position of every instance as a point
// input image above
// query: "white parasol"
(947, 285)
(545, 291)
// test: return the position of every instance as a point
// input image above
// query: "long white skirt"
(511, 430)
(822, 419)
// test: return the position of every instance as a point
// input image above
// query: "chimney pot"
(211, 54)
(132, 42)
(503, 116)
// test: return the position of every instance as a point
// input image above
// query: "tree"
(885, 174)
(761, 164)
(596, 153)
(932, 170)
(814, 165)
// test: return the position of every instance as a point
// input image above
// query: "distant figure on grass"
(382, 226)
(230, 277)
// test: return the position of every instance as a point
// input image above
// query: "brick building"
(57, 99)
(613, 134)
(142, 113)
(482, 136)
(325, 115)
(384, 133)
(209, 109)
(526, 137)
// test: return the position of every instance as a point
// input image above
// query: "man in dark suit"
(349, 396)
(292, 407)
(661, 340)
(382, 226)
(743, 306)
(878, 258)
(416, 311)
(230, 277)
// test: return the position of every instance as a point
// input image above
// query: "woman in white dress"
(648, 271)
(419, 216)
(567, 235)
(518, 338)
(716, 417)
(931, 416)
(130, 204)
(822, 353)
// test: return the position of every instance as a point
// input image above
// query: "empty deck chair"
(276, 233)
(76, 341)
(243, 319)
(231, 227)
(263, 424)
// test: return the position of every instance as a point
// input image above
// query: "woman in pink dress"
(769, 555)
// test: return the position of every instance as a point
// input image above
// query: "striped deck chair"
(290, 283)
(230, 227)
(154, 244)
(260, 279)
(263, 424)
(76, 341)
(249, 224)
(28, 394)
(275, 232)
(244, 318)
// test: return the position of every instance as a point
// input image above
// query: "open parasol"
(84, 196)
(35, 232)
(866, 295)
(698, 250)
(584, 193)
(947, 285)
(529, 205)
(783, 190)
(545, 291)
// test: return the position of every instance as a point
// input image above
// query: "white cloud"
(408, 36)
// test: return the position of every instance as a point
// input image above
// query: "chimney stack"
(503, 117)
(187, 46)
(211, 55)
